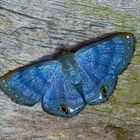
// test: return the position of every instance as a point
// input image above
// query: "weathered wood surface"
(30, 29)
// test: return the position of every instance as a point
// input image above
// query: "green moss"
(118, 132)
(121, 134)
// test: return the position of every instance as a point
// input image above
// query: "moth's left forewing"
(101, 61)
(26, 85)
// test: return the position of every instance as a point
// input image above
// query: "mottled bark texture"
(30, 29)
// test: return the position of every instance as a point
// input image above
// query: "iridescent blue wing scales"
(27, 86)
(44, 82)
(92, 84)
(101, 62)
(62, 92)
(67, 84)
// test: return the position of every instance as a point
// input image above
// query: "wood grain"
(30, 29)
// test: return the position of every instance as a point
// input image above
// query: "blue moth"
(71, 78)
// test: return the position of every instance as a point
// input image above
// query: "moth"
(66, 81)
